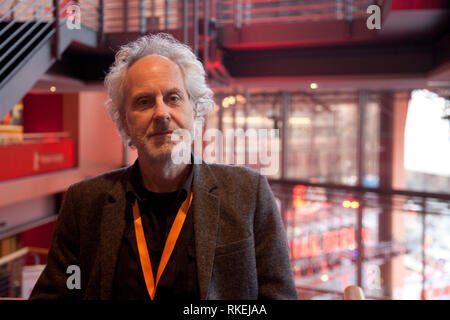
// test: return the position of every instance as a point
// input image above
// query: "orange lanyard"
(168, 247)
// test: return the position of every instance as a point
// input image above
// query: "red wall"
(43, 112)
(418, 4)
(39, 237)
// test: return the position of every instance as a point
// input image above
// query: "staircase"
(34, 34)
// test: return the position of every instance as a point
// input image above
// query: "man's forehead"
(153, 70)
(154, 62)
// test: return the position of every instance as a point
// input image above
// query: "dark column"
(385, 179)
(285, 111)
(362, 102)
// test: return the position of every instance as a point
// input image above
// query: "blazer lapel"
(112, 227)
(206, 207)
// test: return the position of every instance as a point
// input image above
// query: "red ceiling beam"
(419, 4)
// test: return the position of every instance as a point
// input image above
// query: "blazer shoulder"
(102, 182)
(233, 170)
(239, 175)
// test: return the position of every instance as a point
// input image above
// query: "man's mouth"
(161, 133)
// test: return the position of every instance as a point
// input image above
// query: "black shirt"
(158, 211)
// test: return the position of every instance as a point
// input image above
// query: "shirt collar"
(135, 186)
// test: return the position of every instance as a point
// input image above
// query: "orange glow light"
(355, 204)
(346, 204)
(298, 196)
(298, 203)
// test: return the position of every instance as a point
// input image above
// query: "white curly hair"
(160, 44)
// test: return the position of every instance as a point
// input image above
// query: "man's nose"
(161, 110)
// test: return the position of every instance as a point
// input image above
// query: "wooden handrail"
(38, 250)
(14, 256)
(20, 253)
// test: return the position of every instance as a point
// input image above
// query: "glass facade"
(391, 243)
(249, 131)
(321, 138)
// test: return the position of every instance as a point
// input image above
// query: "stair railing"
(36, 22)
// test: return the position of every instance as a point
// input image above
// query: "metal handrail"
(37, 35)
(13, 21)
(23, 36)
(26, 47)
(19, 29)
(95, 22)
(238, 13)
(229, 12)
(282, 19)
(13, 10)
(90, 14)
(357, 189)
(92, 4)
(231, 2)
(118, 20)
(21, 51)
(90, 22)
(4, 3)
(287, 8)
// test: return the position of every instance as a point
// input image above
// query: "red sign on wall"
(28, 159)
(323, 243)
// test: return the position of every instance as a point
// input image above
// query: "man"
(162, 229)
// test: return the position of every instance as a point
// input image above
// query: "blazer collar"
(113, 223)
(205, 205)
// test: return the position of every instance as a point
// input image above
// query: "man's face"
(156, 103)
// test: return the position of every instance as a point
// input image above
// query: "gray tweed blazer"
(240, 242)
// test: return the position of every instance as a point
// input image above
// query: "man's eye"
(174, 98)
(143, 102)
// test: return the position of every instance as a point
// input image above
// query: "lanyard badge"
(168, 247)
